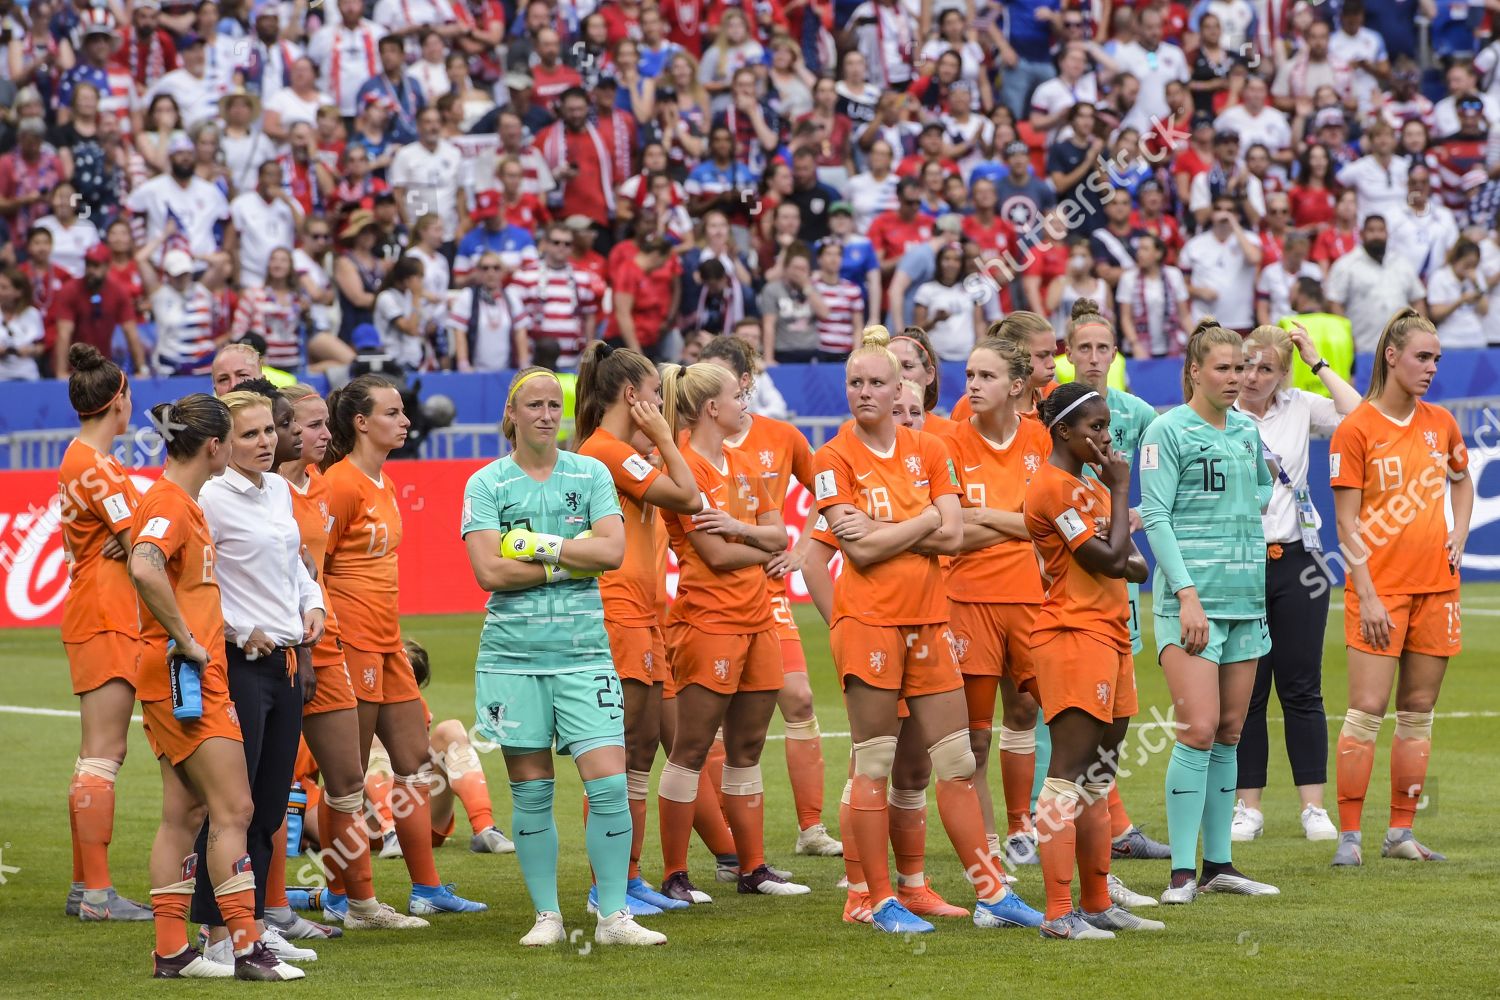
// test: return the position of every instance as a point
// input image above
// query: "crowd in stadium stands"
(470, 183)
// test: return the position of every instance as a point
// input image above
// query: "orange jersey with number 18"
(361, 569)
(779, 453)
(629, 593)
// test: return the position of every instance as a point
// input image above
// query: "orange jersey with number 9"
(629, 593)
(906, 589)
(360, 569)
(779, 453)
(997, 477)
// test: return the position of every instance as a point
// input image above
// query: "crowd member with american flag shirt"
(555, 300)
(844, 317)
(147, 51)
(345, 51)
(184, 312)
(117, 91)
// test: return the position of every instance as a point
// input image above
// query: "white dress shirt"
(1286, 428)
(262, 580)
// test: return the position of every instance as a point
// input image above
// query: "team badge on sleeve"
(1070, 524)
(156, 528)
(952, 473)
(638, 467)
(824, 485)
(1335, 459)
(116, 507)
(1148, 457)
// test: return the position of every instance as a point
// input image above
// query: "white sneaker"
(221, 952)
(817, 842)
(1317, 825)
(1120, 895)
(284, 949)
(1248, 823)
(491, 841)
(621, 928)
(548, 930)
(372, 915)
(390, 845)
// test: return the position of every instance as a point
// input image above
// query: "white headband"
(1072, 406)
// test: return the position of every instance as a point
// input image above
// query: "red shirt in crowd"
(892, 235)
(652, 292)
(95, 312)
(1331, 244)
(1311, 206)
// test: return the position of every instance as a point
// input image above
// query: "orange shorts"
(178, 739)
(440, 835)
(385, 678)
(993, 640)
(793, 660)
(1429, 624)
(912, 659)
(334, 691)
(726, 663)
(639, 653)
(786, 624)
(1082, 671)
(101, 658)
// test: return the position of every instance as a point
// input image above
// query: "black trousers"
(1297, 620)
(269, 704)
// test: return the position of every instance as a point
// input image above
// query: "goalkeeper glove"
(531, 546)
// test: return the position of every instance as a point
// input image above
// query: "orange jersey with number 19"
(779, 453)
(361, 570)
(906, 589)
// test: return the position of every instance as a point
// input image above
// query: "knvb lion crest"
(960, 644)
(914, 464)
(369, 678)
(768, 459)
(1033, 463)
(1103, 692)
(721, 668)
(877, 662)
(1430, 437)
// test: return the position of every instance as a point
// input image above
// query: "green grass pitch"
(1391, 928)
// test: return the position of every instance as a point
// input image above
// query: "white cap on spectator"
(177, 263)
(179, 143)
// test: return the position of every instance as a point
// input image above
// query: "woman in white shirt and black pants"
(273, 613)
(1297, 585)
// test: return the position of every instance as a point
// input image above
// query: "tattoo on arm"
(153, 556)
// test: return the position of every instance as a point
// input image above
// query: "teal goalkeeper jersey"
(1129, 416)
(1202, 493)
(552, 628)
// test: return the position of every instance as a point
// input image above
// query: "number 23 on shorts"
(608, 695)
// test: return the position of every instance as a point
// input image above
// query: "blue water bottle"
(187, 690)
(296, 805)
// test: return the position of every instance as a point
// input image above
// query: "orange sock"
(467, 779)
(745, 801)
(708, 816)
(1093, 833)
(94, 804)
(869, 818)
(412, 812)
(1408, 774)
(1356, 761)
(908, 811)
(235, 897)
(713, 770)
(346, 850)
(378, 787)
(1017, 772)
(169, 910)
(637, 788)
(276, 874)
(1119, 819)
(677, 795)
(73, 829)
(804, 765)
(854, 872)
(958, 805)
(1056, 834)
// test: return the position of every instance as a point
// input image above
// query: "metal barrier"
(141, 447)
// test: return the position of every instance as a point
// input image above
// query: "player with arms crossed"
(1204, 484)
(1085, 673)
(619, 421)
(1396, 452)
(540, 525)
(890, 497)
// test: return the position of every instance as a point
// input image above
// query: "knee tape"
(637, 784)
(906, 798)
(1014, 741)
(461, 758)
(99, 767)
(742, 780)
(1095, 791)
(346, 803)
(380, 761)
(422, 779)
(238, 882)
(873, 758)
(1060, 788)
(848, 791)
(1361, 726)
(807, 729)
(607, 796)
(534, 796)
(1414, 725)
(952, 757)
(678, 784)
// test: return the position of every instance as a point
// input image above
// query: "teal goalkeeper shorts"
(1230, 640)
(573, 712)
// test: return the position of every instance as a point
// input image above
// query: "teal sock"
(1218, 805)
(536, 840)
(608, 838)
(1187, 783)
(1043, 759)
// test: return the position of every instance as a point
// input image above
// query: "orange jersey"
(997, 477)
(780, 453)
(1402, 472)
(660, 601)
(629, 593)
(360, 567)
(314, 522)
(98, 501)
(906, 589)
(722, 603)
(1060, 514)
(172, 521)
